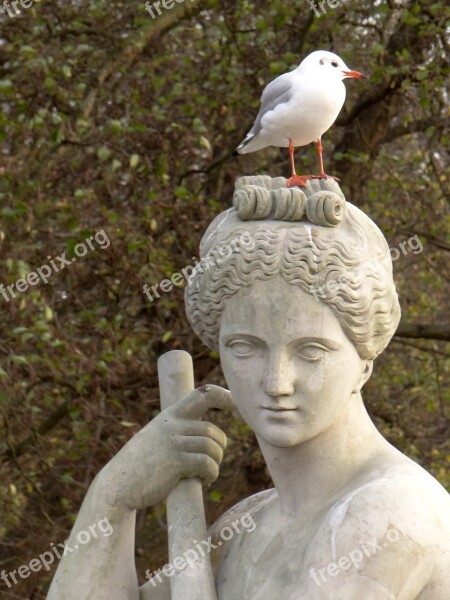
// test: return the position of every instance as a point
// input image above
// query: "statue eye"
(334, 63)
(241, 348)
(312, 352)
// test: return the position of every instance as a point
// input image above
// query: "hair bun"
(325, 208)
(262, 197)
(252, 203)
(290, 204)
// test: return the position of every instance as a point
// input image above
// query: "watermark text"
(47, 558)
(191, 557)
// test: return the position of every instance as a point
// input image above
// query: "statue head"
(330, 249)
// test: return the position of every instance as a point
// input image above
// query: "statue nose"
(279, 392)
(279, 379)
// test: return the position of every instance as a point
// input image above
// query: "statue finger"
(195, 404)
(205, 429)
(201, 465)
(200, 445)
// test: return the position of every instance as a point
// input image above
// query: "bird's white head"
(328, 65)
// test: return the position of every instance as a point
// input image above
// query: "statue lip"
(279, 408)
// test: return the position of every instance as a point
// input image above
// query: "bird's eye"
(322, 62)
(334, 63)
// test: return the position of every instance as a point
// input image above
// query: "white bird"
(298, 107)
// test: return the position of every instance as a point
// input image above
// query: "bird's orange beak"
(355, 74)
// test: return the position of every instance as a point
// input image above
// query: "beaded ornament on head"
(314, 239)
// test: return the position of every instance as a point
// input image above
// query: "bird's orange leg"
(319, 152)
(291, 154)
(322, 175)
(295, 179)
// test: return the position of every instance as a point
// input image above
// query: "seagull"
(298, 107)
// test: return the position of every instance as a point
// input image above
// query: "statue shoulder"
(403, 489)
(391, 530)
(249, 507)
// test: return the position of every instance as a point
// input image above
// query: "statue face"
(288, 364)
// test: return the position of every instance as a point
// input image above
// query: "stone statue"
(298, 313)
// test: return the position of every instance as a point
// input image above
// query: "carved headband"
(257, 198)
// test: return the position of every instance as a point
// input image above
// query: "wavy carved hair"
(348, 267)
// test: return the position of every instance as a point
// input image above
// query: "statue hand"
(174, 445)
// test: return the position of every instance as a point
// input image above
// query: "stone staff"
(193, 578)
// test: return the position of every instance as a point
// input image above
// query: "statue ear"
(365, 374)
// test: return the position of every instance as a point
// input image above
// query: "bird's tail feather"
(241, 148)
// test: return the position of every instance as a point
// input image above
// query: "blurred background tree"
(113, 120)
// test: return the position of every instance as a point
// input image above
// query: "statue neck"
(316, 469)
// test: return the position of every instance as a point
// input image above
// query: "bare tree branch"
(424, 330)
(136, 44)
(443, 245)
(45, 427)
(420, 125)
(371, 97)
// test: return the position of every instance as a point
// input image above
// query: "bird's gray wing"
(276, 92)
